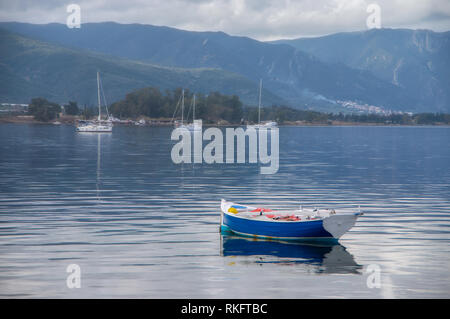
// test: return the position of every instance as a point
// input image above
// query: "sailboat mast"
(259, 103)
(98, 96)
(193, 113)
(182, 107)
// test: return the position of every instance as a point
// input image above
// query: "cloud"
(260, 19)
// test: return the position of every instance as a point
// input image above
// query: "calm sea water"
(140, 226)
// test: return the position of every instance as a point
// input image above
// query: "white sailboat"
(99, 126)
(196, 125)
(267, 124)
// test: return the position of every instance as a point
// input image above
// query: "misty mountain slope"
(296, 77)
(31, 68)
(415, 60)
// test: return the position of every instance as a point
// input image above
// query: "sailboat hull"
(267, 125)
(95, 128)
(98, 127)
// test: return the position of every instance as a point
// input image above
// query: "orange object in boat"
(265, 210)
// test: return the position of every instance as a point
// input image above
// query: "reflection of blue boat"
(288, 225)
(326, 258)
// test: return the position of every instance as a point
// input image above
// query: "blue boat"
(299, 224)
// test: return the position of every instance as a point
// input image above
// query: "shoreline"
(71, 120)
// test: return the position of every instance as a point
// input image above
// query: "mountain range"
(402, 70)
(31, 68)
(415, 60)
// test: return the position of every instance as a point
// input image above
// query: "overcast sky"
(259, 19)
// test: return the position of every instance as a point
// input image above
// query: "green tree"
(88, 112)
(72, 108)
(43, 110)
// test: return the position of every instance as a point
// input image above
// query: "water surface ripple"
(140, 226)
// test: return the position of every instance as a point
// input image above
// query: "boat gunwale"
(274, 220)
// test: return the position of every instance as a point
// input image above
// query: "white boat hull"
(263, 125)
(95, 128)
